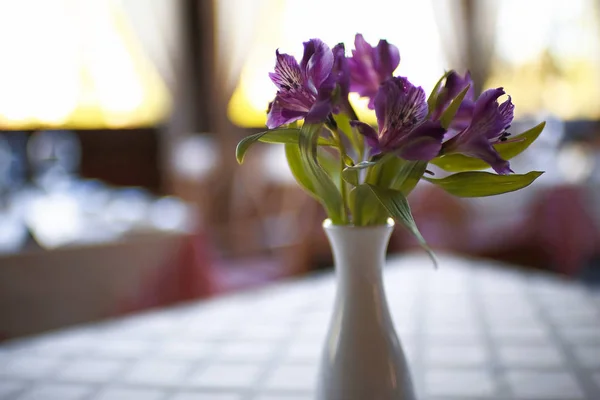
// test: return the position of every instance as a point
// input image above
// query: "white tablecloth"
(471, 330)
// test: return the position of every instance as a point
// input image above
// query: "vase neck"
(359, 252)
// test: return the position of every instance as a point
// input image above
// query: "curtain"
(468, 33)
(238, 27)
(156, 24)
(226, 31)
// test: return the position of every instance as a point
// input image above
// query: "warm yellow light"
(74, 64)
(554, 67)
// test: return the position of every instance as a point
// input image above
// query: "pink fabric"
(562, 224)
(557, 223)
(195, 272)
(185, 276)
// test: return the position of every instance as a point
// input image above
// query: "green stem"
(343, 187)
(374, 174)
(335, 132)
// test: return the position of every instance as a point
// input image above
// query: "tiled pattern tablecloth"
(471, 330)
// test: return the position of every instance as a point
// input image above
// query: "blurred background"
(119, 189)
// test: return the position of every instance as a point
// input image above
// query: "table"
(42, 290)
(472, 330)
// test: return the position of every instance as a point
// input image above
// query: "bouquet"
(362, 174)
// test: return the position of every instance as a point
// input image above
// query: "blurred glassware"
(5, 164)
(13, 231)
(194, 156)
(54, 219)
(171, 214)
(128, 209)
(61, 209)
(54, 157)
(13, 159)
(92, 196)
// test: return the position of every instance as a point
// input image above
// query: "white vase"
(362, 358)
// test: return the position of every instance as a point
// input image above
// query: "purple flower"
(371, 66)
(341, 69)
(487, 127)
(404, 129)
(454, 85)
(304, 90)
(341, 76)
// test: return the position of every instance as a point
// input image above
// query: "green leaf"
(327, 192)
(330, 163)
(245, 144)
(361, 165)
(481, 184)
(507, 150)
(279, 135)
(292, 153)
(350, 174)
(348, 160)
(356, 139)
(450, 111)
(396, 173)
(409, 174)
(366, 208)
(397, 205)
(433, 96)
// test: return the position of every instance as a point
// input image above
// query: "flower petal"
(490, 119)
(363, 48)
(296, 100)
(317, 62)
(463, 116)
(487, 101)
(452, 88)
(399, 107)
(341, 70)
(278, 115)
(322, 107)
(287, 73)
(422, 143)
(369, 133)
(488, 125)
(387, 59)
(484, 150)
(364, 79)
(456, 83)
(507, 112)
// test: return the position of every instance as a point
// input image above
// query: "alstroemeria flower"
(452, 88)
(304, 90)
(341, 69)
(371, 66)
(404, 129)
(341, 75)
(487, 127)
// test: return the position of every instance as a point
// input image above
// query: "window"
(408, 24)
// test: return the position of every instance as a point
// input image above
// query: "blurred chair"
(562, 226)
(271, 218)
(267, 235)
(443, 220)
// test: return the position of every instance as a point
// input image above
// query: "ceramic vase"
(362, 358)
